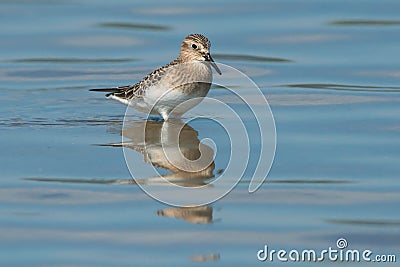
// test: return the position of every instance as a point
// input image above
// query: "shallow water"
(330, 72)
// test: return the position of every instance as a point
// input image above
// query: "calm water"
(330, 72)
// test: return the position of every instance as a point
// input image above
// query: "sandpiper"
(170, 89)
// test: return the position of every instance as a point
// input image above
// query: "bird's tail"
(110, 91)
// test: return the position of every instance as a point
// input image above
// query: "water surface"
(330, 72)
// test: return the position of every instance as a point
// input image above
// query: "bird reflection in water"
(174, 147)
(197, 215)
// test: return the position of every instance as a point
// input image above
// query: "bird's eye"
(194, 46)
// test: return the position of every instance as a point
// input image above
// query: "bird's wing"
(123, 92)
(137, 90)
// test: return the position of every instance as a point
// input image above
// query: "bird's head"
(196, 47)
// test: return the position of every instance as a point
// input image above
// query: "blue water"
(330, 72)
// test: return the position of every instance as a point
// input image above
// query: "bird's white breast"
(178, 84)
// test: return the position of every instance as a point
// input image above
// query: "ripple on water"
(37, 74)
(364, 222)
(72, 60)
(365, 22)
(44, 122)
(345, 87)
(299, 38)
(303, 99)
(250, 58)
(100, 41)
(134, 26)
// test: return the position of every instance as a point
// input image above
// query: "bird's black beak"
(211, 60)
